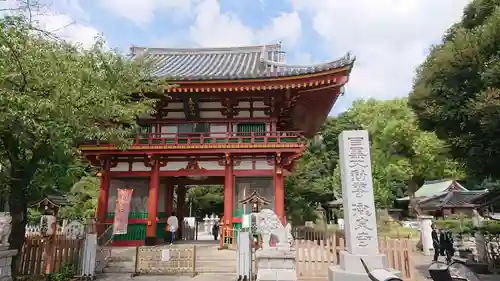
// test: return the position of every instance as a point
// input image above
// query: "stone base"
(350, 267)
(276, 265)
(352, 263)
(5, 262)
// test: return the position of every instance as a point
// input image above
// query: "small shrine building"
(238, 117)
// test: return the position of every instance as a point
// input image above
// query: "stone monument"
(359, 210)
(276, 260)
(5, 254)
(426, 234)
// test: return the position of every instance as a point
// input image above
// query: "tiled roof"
(437, 187)
(227, 63)
(488, 197)
(451, 199)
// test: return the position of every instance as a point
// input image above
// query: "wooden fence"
(33, 257)
(315, 256)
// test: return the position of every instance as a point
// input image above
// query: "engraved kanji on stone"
(358, 175)
(359, 188)
(362, 213)
(363, 239)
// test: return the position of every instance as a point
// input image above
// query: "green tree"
(206, 199)
(456, 90)
(312, 181)
(54, 95)
(82, 199)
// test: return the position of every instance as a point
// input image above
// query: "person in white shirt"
(173, 224)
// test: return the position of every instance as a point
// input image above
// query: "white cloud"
(61, 20)
(67, 29)
(142, 12)
(217, 29)
(389, 38)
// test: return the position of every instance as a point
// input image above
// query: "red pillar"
(279, 193)
(154, 186)
(102, 204)
(181, 197)
(169, 198)
(228, 193)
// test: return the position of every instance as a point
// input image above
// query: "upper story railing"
(214, 138)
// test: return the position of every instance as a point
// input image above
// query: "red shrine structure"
(238, 117)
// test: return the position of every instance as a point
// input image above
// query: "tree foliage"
(82, 199)
(401, 154)
(53, 95)
(456, 90)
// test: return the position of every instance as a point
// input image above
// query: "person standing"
(435, 242)
(446, 244)
(173, 225)
(215, 230)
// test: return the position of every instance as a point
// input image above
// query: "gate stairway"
(208, 259)
(122, 260)
(211, 260)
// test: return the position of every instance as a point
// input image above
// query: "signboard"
(123, 199)
(165, 255)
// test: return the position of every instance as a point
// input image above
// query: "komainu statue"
(271, 228)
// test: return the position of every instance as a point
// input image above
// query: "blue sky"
(389, 37)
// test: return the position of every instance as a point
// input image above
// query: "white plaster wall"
(210, 105)
(210, 165)
(140, 167)
(175, 105)
(211, 114)
(120, 167)
(176, 115)
(174, 166)
(263, 165)
(171, 129)
(244, 165)
(218, 130)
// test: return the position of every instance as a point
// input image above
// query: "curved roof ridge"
(160, 50)
(345, 60)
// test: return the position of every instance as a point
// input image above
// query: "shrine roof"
(231, 63)
(436, 187)
(455, 198)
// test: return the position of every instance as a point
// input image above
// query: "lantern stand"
(48, 230)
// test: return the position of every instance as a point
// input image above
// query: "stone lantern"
(205, 224)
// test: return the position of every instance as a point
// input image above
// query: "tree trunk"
(412, 188)
(18, 211)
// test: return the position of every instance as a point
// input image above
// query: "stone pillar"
(426, 234)
(102, 203)
(169, 198)
(228, 192)
(359, 210)
(154, 186)
(279, 193)
(6, 254)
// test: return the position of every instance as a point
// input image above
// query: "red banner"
(123, 198)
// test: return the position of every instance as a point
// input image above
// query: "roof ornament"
(262, 54)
